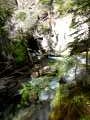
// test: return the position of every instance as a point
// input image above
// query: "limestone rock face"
(26, 3)
(24, 17)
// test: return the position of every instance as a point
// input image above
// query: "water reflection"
(54, 83)
(49, 92)
(70, 76)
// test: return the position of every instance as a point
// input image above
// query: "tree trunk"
(87, 61)
(87, 50)
(75, 72)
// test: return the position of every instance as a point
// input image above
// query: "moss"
(18, 50)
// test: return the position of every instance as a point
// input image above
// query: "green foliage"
(31, 90)
(21, 16)
(79, 100)
(5, 14)
(45, 1)
(43, 29)
(65, 105)
(20, 53)
(64, 7)
(61, 93)
(57, 99)
(18, 50)
(81, 10)
(63, 65)
(29, 93)
(87, 117)
(82, 6)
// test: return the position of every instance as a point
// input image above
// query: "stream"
(38, 111)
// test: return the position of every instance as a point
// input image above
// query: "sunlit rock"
(26, 3)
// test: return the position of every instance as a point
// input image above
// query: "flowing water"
(41, 110)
